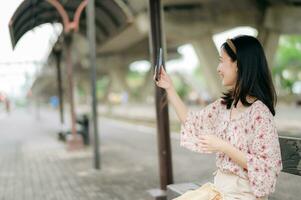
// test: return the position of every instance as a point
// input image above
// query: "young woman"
(239, 127)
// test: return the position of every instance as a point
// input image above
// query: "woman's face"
(227, 69)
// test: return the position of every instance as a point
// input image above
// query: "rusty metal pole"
(68, 42)
(92, 51)
(157, 40)
(75, 141)
(58, 56)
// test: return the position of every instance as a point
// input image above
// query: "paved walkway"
(34, 165)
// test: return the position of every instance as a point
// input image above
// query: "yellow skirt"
(227, 186)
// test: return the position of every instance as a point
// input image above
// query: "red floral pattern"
(253, 133)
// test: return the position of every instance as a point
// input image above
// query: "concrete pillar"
(85, 85)
(208, 58)
(117, 70)
(147, 89)
(269, 40)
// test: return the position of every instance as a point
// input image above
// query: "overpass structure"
(185, 21)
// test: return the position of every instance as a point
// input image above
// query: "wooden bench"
(291, 156)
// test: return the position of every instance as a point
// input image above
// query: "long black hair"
(254, 77)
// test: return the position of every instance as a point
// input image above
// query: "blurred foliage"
(21, 102)
(199, 75)
(135, 78)
(180, 87)
(287, 65)
(81, 91)
(102, 86)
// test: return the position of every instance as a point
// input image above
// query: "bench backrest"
(291, 154)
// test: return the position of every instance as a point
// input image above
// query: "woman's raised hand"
(164, 81)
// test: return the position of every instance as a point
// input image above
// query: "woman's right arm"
(165, 82)
(193, 123)
(178, 104)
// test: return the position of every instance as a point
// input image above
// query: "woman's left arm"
(235, 154)
(263, 161)
(212, 143)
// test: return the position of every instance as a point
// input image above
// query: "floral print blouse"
(252, 132)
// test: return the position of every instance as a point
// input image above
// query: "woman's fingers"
(155, 74)
(202, 139)
(204, 148)
(164, 81)
(159, 82)
(203, 143)
(162, 70)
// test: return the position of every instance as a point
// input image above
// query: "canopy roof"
(111, 17)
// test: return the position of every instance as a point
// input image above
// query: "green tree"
(288, 61)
